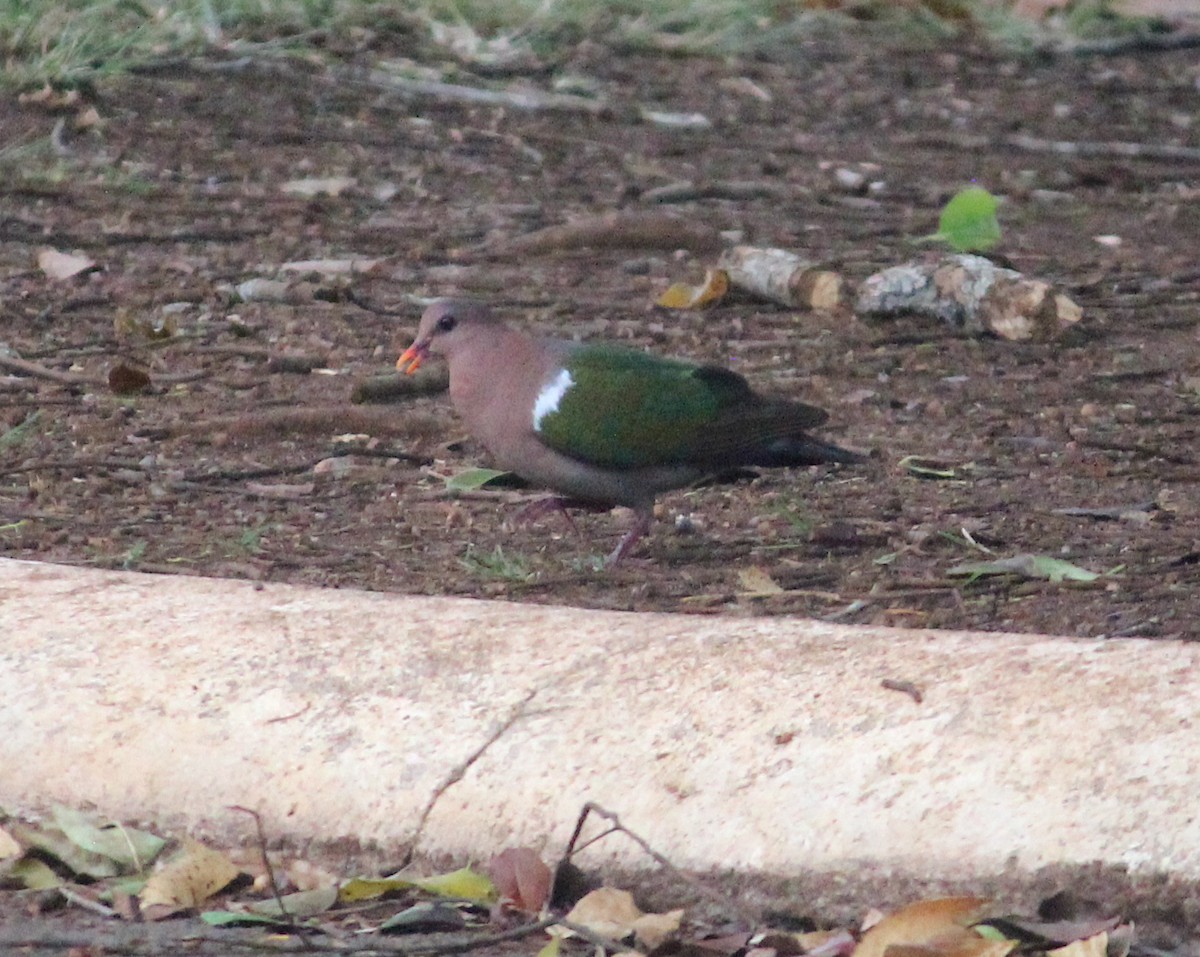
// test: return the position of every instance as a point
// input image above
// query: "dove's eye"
(446, 323)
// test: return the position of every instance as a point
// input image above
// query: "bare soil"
(239, 461)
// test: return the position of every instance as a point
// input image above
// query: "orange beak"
(412, 357)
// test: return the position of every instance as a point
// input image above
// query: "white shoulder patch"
(551, 395)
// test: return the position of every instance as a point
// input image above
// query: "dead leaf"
(126, 380)
(920, 924)
(87, 118)
(61, 266)
(189, 878)
(755, 581)
(1096, 946)
(50, 99)
(522, 879)
(608, 911)
(300, 904)
(650, 930)
(318, 186)
(683, 296)
(956, 943)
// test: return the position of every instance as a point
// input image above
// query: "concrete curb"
(766, 746)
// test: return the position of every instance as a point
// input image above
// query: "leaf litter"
(520, 901)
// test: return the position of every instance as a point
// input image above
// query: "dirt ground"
(244, 456)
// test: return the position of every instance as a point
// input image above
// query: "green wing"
(626, 409)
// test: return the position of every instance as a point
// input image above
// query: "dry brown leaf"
(1096, 946)
(755, 581)
(61, 266)
(959, 942)
(922, 923)
(522, 879)
(189, 878)
(650, 930)
(608, 911)
(124, 379)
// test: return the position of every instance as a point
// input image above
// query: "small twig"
(25, 367)
(1141, 43)
(79, 464)
(352, 295)
(599, 940)
(1158, 151)
(79, 900)
(904, 687)
(383, 388)
(266, 861)
(458, 772)
(723, 900)
(527, 100)
(687, 191)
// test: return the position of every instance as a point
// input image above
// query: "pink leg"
(556, 504)
(642, 519)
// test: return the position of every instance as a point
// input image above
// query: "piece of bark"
(972, 293)
(782, 277)
(385, 388)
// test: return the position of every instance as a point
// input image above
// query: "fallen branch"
(25, 367)
(1160, 151)
(782, 277)
(971, 293)
(384, 388)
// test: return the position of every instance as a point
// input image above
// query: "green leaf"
(299, 904)
(1027, 566)
(129, 847)
(53, 842)
(968, 222)
(472, 479)
(427, 917)
(229, 918)
(464, 884)
(18, 433)
(927, 468)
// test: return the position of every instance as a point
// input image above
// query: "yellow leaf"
(921, 924)
(34, 875)
(683, 296)
(368, 888)
(552, 948)
(463, 883)
(189, 878)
